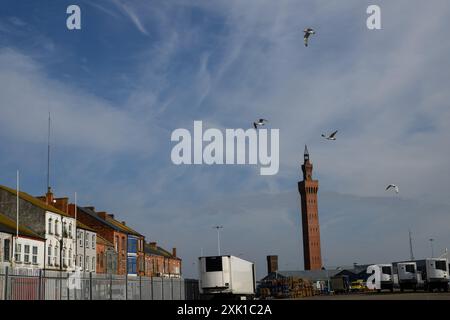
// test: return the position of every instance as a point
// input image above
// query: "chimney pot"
(102, 214)
(174, 252)
(123, 222)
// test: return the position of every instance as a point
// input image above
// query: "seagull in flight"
(308, 32)
(392, 186)
(331, 136)
(259, 123)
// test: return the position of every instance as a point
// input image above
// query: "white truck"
(407, 275)
(434, 272)
(226, 277)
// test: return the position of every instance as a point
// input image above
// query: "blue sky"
(137, 70)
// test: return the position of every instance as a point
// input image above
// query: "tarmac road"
(386, 296)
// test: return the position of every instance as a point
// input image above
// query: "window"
(123, 244)
(93, 241)
(80, 236)
(386, 270)
(64, 258)
(410, 268)
(49, 255)
(440, 265)
(18, 252)
(87, 241)
(81, 261)
(26, 257)
(50, 226)
(87, 263)
(213, 264)
(70, 257)
(57, 227)
(70, 230)
(55, 258)
(132, 245)
(64, 229)
(132, 265)
(6, 244)
(93, 264)
(35, 255)
(117, 243)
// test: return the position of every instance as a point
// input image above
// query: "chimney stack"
(123, 222)
(272, 264)
(111, 216)
(102, 214)
(153, 245)
(174, 252)
(49, 197)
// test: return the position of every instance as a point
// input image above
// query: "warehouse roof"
(8, 225)
(38, 203)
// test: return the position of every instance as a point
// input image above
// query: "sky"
(138, 70)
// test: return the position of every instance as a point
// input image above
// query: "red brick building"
(310, 216)
(106, 256)
(107, 230)
(161, 263)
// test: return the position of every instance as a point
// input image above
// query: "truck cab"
(435, 273)
(386, 277)
(407, 275)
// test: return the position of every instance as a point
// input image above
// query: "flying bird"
(259, 123)
(308, 32)
(331, 136)
(392, 186)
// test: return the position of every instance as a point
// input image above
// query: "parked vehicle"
(434, 273)
(407, 275)
(386, 277)
(226, 277)
(340, 284)
(358, 286)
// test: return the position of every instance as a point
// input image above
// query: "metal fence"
(55, 285)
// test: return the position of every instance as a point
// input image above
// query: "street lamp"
(218, 237)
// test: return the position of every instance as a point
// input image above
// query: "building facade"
(308, 189)
(161, 263)
(86, 249)
(106, 256)
(25, 251)
(50, 223)
(110, 232)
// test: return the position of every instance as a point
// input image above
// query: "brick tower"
(310, 217)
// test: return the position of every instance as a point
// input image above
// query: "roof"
(158, 252)
(314, 275)
(85, 227)
(8, 225)
(94, 215)
(124, 227)
(102, 240)
(38, 203)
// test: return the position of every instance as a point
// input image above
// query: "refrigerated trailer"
(434, 272)
(226, 277)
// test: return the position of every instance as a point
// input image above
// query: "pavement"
(386, 296)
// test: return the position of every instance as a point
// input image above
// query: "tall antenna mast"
(410, 246)
(48, 154)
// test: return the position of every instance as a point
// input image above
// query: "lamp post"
(432, 249)
(218, 237)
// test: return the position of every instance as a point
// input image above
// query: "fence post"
(171, 289)
(6, 283)
(40, 285)
(140, 287)
(110, 286)
(151, 284)
(162, 288)
(90, 285)
(126, 286)
(67, 284)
